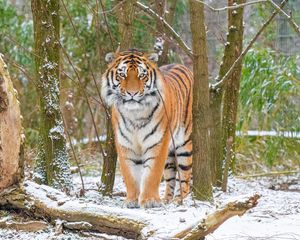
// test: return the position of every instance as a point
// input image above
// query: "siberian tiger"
(148, 104)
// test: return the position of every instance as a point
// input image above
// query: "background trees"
(267, 99)
(52, 162)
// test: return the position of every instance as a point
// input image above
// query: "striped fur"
(131, 86)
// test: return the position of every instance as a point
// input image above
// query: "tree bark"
(233, 50)
(216, 162)
(11, 132)
(125, 24)
(202, 184)
(170, 19)
(110, 160)
(52, 164)
(223, 101)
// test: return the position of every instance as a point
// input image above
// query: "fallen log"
(49, 203)
(30, 226)
(214, 220)
(46, 202)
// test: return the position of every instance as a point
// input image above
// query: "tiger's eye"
(122, 75)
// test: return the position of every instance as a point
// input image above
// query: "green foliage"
(269, 100)
(16, 27)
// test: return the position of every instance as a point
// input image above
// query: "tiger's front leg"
(131, 172)
(153, 164)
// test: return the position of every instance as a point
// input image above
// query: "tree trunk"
(52, 164)
(11, 135)
(125, 24)
(233, 50)
(110, 160)
(216, 161)
(202, 184)
(170, 19)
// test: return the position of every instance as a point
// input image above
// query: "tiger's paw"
(132, 203)
(168, 199)
(151, 203)
(178, 200)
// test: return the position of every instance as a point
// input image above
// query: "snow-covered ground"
(277, 216)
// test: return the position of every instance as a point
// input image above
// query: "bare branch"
(168, 28)
(221, 83)
(230, 7)
(214, 220)
(288, 17)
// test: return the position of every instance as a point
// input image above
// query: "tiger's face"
(131, 79)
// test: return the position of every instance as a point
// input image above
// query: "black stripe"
(170, 166)
(153, 130)
(123, 135)
(107, 79)
(124, 121)
(151, 114)
(147, 159)
(173, 77)
(181, 80)
(182, 181)
(183, 144)
(170, 179)
(183, 72)
(184, 167)
(182, 154)
(158, 142)
(136, 161)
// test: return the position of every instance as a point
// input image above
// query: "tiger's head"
(131, 79)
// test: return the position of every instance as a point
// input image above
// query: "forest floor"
(276, 217)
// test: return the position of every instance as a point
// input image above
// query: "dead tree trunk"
(11, 135)
(202, 185)
(52, 163)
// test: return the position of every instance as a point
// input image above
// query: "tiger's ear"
(110, 57)
(153, 57)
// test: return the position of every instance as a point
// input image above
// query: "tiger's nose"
(132, 93)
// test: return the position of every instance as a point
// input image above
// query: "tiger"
(151, 112)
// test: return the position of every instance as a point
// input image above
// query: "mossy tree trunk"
(52, 164)
(202, 185)
(216, 161)
(224, 101)
(231, 91)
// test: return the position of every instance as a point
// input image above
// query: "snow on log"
(164, 223)
(214, 220)
(10, 131)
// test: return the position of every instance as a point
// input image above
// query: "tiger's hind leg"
(170, 179)
(184, 159)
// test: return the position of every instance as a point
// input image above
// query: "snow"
(277, 216)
